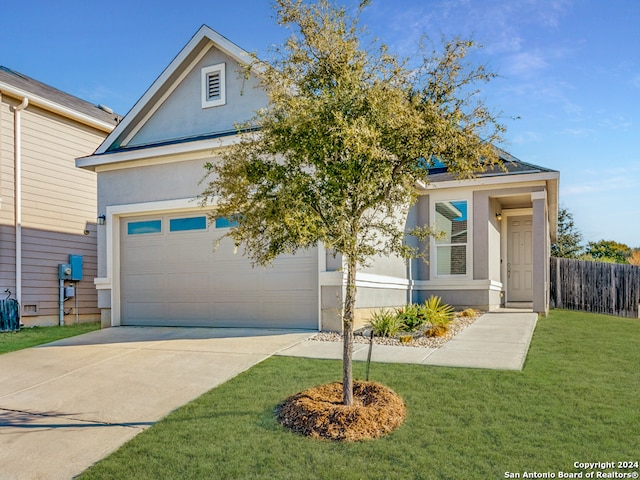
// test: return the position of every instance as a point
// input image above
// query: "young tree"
(569, 238)
(348, 132)
(603, 250)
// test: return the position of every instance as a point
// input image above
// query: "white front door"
(520, 259)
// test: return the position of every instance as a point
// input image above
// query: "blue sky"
(568, 69)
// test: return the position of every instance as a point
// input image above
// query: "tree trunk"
(347, 329)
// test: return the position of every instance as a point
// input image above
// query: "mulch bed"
(319, 412)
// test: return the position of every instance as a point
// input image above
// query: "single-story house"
(47, 205)
(156, 264)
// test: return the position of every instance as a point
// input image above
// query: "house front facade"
(156, 259)
(47, 205)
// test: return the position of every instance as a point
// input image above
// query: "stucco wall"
(181, 115)
(167, 181)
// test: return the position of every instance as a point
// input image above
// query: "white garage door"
(170, 275)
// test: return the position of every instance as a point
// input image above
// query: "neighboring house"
(156, 260)
(47, 205)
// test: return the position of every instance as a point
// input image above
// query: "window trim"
(468, 244)
(206, 72)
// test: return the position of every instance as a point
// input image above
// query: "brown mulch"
(319, 412)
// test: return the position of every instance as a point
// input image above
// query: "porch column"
(480, 235)
(540, 253)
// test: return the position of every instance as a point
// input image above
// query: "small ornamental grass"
(437, 313)
(385, 323)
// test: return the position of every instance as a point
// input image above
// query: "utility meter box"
(76, 267)
(64, 271)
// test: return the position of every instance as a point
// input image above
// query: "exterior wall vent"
(213, 86)
(29, 310)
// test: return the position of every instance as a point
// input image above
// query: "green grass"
(30, 337)
(577, 399)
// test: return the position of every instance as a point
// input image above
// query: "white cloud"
(580, 132)
(610, 180)
(527, 137)
(525, 64)
(617, 122)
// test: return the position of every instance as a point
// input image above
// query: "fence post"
(558, 285)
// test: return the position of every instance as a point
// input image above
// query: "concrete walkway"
(497, 340)
(68, 404)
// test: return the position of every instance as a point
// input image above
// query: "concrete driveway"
(67, 404)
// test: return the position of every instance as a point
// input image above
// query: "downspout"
(17, 182)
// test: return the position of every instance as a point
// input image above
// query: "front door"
(520, 259)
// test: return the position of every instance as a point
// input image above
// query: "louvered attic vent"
(213, 82)
(213, 86)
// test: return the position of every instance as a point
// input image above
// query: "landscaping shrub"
(411, 316)
(468, 312)
(385, 323)
(436, 312)
(437, 331)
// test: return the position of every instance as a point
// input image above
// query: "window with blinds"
(451, 245)
(213, 86)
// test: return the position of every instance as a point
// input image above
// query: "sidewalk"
(497, 340)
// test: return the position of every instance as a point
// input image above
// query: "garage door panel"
(193, 254)
(290, 280)
(145, 310)
(248, 310)
(179, 278)
(196, 283)
(235, 281)
(143, 283)
(143, 255)
(189, 310)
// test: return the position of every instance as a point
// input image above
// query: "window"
(213, 86)
(226, 222)
(451, 248)
(188, 223)
(144, 227)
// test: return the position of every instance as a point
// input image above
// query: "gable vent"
(213, 86)
(213, 83)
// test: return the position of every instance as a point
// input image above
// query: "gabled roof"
(18, 85)
(164, 85)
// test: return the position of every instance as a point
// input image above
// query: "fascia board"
(118, 159)
(219, 41)
(56, 108)
(490, 181)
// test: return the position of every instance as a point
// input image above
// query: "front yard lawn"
(577, 400)
(31, 337)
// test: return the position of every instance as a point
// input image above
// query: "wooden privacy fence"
(596, 287)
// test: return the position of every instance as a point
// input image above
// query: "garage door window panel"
(226, 222)
(144, 227)
(186, 224)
